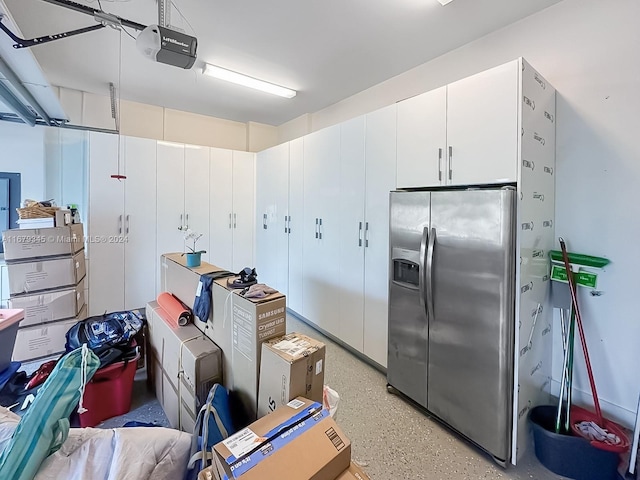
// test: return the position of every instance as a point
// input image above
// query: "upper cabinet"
(461, 134)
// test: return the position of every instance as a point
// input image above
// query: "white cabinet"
(221, 206)
(350, 300)
(243, 209)
(232, 196)
(422, 137)
(464, 133)
(106, 217)
(182, 196)
(321, 239)
(380, 148)
(122, 222)
(272, 210)
(295, 226)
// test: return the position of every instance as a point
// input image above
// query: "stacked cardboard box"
(298, 441)
(46, 270)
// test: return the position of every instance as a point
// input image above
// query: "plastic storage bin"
(9, 322)
(108, 394)
(566, 455)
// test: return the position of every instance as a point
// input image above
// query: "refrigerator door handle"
(429, 273)
(421, 279)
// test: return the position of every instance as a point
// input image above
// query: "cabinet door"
(264, 261)
(278, 227)
(482, 126)
(380, 146)
(221, 206)
(296, 224)
(352, 231)
(105, 228)
(141, 261)
(321, 227)
(170, 198)
(196, 195)
(243, 209)
(422, 138)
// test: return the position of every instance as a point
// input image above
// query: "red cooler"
(108, 394)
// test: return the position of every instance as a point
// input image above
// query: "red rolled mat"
(178, 312)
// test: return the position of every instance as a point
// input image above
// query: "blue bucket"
(567, 455)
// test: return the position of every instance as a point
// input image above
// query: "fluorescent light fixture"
(244, 80)
(444, 2)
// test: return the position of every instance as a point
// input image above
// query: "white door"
(482, 126)
(265, 202)
(243, 209)
(106, 223)
(220, 197)
(141, 262)
(380, 148)
(278, 226)
(321, 227)
(352, 231)
(295, 227)
(196, 195)
(422, 137)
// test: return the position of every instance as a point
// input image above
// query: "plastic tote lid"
(10, 316)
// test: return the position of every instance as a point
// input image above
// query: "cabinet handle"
(316, 228)
(181, 224)
(360, 234)
(120, 225)
(366, 235)
(264, 221)
(320, 229)
(289, 224)
(440, 164)
(187, 219)
(450, 162)
(285, 224)
(127, 229)
(229, 220)
(235, 220)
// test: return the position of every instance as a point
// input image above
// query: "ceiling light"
(244, 80)
(444, 2)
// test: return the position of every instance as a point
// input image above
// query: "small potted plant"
(193, 256)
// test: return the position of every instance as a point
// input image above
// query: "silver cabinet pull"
(287, 228)
(320, 229)
(127, 229)
(264, 221)
(366, 235)
(187, 219)
(235, 220)
(317, 228)
(450, 162)
(285, 224)
(229, 220)
(120, 225)
(359, 234)
(440, 164)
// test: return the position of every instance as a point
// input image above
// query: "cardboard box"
(239, 326)
(51, 305)
(31, 223)
(183, 281)
(20, 244)
(30, 277)
(291, 366)
(44, 340)
(185, 365)
(354, 472)
(298, 441)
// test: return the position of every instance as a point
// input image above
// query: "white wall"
(588, 50)
(22, 151)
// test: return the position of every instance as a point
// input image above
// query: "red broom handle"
(574, 300)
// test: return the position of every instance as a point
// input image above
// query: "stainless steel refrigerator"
(452, 308)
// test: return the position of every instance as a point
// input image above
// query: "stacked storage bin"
(46, 270)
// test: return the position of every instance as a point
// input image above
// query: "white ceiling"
(328, 50)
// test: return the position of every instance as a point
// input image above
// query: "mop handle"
(583, 340)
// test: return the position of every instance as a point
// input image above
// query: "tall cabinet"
(121, 222)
